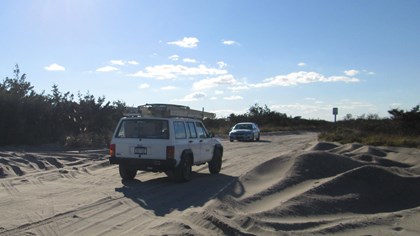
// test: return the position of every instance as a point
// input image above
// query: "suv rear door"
(137, 138)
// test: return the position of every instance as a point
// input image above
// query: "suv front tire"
(216, 162)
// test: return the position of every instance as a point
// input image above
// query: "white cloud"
(221, 64)
(107, 69)
(227, 79)
(233, 97)
(172, 71)
(192, 97)
(54, 67)
(177, 58)
(301, 64)
(301, 77)
(351, 72)
(144, 86)
(168, 88)
(229, 42)
(186, 42)
(117, 62)
(189, 60)
(341, 79)
(313, 100)
(238, 88)
(174, 58)
(218, 92)
(122, 62)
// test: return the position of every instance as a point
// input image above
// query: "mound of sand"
(324, 190)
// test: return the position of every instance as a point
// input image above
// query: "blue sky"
(301, 58)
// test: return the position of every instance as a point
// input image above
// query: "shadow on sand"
(163, 195)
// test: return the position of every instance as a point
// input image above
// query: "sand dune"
(327, 192)
(286, 184)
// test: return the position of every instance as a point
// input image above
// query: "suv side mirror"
(211, 135)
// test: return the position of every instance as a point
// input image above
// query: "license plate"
(140, 150)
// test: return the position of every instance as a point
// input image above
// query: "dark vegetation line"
(30, 118)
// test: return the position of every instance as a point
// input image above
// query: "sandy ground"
(285, 184)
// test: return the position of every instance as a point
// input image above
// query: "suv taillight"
(112, 148)
(170, 152)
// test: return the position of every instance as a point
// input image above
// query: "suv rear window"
(143, 128)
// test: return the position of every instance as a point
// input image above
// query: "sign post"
(335, 112)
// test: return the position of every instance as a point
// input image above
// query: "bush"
(378, 132)
(29, 118)
(87, 140)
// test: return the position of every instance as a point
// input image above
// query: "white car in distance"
(245, 131)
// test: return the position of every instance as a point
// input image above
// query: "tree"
(22, 110)
(27, 117)
(408, 121)
(18, 86)
(256, 110)
(348, 117)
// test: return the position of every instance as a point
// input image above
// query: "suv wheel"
(127, 173)
(216, 162)
(182, 173)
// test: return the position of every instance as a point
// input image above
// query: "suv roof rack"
(169, 110)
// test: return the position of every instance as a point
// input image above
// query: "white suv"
(163, 144)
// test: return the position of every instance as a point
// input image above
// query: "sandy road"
(91, 199)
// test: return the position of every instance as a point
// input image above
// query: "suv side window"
(191, 130)
(202, 133)
(179, 128)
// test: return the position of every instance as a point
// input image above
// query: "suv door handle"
(201, 141)
(191, 141)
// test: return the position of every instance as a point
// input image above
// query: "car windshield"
(243, 126)
(143, 128)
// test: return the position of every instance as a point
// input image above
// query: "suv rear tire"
(183, 171)
(127, 173)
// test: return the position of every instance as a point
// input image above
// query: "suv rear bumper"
(145, 164)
